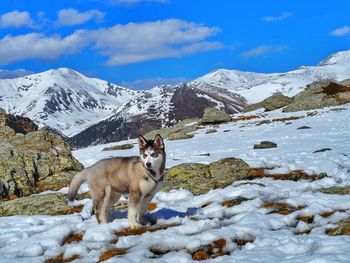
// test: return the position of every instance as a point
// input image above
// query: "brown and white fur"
(139, 176)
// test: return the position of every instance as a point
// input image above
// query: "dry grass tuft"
(233, 202)
(143, 229)
(59, 259)
(307, 219)
(200, 255)
(74, 238)
(72, 210)
(281, 208)
(112, 253)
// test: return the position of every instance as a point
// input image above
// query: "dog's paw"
(134, 225)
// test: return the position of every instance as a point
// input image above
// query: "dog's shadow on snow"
(163, 213)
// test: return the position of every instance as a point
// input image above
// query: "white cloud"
(137, 42)
(342, 31)
(16, 19)
(121, 44)
(38, 46)
(71, 17)
(263, 50)
(281, 17)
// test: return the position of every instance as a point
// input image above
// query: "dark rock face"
(156, 109)
(17, 123)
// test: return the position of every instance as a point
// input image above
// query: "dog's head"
(152, 153)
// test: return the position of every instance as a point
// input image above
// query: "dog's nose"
(148, 165)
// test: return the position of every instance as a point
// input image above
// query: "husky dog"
(139, 176)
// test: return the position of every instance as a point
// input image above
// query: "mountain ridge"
(71, 103)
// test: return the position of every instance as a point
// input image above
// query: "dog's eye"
(154, 155)
(144, 155)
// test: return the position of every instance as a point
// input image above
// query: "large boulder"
(319, 95)
(273, 102)
(33, 162)
(214, 115)
(201, 178)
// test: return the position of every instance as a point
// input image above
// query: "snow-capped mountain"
(92, 111)
(255, 87)
(159, 107)
(62, 99)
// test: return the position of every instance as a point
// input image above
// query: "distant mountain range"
(93, 111)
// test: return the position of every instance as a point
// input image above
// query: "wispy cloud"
(152, 82)
(341, 31)
(16, 19)
(137, 2)
(281, 17)
(121, 44)
(263, 50)
(71, 17)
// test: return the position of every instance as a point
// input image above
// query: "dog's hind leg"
(100, 201)
(114, 197)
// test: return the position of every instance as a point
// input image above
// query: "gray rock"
(273, 102)
(265, 145)
(119, 147)
(213, 115)
(201, 178)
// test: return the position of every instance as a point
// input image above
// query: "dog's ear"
(158, 142)
(142, 142)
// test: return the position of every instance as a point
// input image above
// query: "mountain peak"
(341, 57)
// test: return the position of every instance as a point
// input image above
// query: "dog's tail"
(77, 180)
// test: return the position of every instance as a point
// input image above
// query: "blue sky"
(150, 41)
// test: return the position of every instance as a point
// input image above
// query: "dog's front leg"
(143, 209)
(134, 206)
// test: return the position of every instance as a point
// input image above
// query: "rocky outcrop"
(17, 123)
(213, 115)
(319, 95)
(33, 162)
(201, 178)
(273, 102)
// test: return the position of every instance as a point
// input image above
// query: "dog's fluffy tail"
(78, 179)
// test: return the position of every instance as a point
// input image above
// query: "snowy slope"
(62, 99)
(274, 237)
(256, 87)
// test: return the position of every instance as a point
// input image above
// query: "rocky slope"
(32, 161)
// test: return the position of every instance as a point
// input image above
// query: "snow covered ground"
(197, 221)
